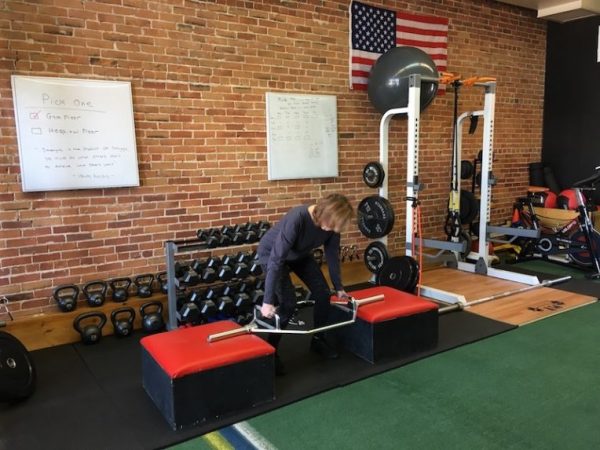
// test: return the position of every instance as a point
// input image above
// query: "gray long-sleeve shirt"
(294, 237)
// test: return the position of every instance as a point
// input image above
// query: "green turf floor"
(536, 387)
(553, 268)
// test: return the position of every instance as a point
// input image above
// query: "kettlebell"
(120, 289)
(143, 284)
(162, 280)
(95, 292)
(152, 321)
(66, 297)
(123, 326)
(90, 334)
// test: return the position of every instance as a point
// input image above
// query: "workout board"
(301, 136)
(74, 134)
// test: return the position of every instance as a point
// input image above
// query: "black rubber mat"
(91, 396)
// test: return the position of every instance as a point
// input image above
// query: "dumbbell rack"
(173, 248)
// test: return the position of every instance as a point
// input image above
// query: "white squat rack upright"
(413, 186)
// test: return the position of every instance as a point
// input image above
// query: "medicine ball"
(550, 200)
(567, 199)
(545, 199)
(388, 79)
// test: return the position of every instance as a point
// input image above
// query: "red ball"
(568, 199)
(550, 200)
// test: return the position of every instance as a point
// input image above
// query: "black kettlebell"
(143, 284)
(95, 292)
(90, 334)
(152, 321)
(123, 326)
(162, 280)
(120, 289)
(66, 297)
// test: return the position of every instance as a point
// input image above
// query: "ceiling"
(560, 10)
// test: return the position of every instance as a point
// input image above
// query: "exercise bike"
(576, 238)
(17, 371)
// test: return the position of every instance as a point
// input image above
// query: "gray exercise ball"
(388, 80)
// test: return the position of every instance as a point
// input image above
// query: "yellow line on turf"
(216, 441)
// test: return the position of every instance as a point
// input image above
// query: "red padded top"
(395, 304)
(186, 350)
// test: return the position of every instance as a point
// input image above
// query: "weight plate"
(415, 279)
(17, 372)
(375, 217)
(375, 256)
(469, 207)
(398, 272)
(466, 169)
(373, 174)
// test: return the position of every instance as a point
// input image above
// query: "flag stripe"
(419, 37)
(420, 43)
(423, 19)
(421, 26)
(421, 31)
(371, 32)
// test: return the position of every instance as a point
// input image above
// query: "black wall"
(571, 135)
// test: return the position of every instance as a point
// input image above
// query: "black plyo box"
(210, 394)
(373, 341)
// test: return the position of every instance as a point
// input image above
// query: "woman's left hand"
(343, 295)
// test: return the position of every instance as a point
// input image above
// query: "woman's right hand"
(267, 310)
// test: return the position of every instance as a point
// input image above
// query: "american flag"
(373, 31)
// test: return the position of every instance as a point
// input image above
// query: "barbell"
(489, 298)
(275, 328)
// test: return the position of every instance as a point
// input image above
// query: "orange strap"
(448, 77)
(472, 80)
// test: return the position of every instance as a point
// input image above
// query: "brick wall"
(199, 72)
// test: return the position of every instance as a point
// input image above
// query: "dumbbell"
(250, 237)
(243, 257)
(189, 314)
(259, 283)
(211, 237)
(224, 272)
(239, 269)
(230, 289)
(189, 276)
(223, 239)
(181, 268)
(196, 296)
(255, 269)
(209, 272)
(245, 286)
(225, 305)
(257, 296)
(244, 319)
(242, 302)
(236, 235)
(181, 298)
(208, 309)
(263, 227)
(213, 292)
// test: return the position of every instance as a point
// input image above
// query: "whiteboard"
(74, 134)
(301, 136)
